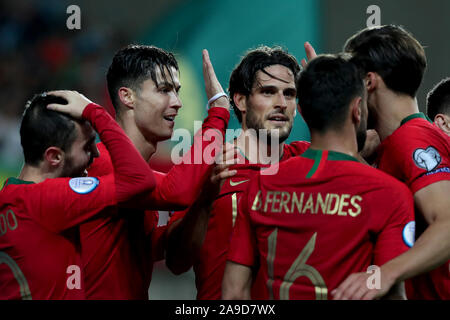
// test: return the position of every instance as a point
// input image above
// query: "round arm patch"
(83, 185)
(409, 233)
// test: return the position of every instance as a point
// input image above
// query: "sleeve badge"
(427, 159)
(409, 233)
(83, 185)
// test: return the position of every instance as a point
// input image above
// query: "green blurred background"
(38, 53)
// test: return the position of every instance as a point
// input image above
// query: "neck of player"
(249, 144)
(391, 109)
(343, 140)
(145, 147)
(38, 174)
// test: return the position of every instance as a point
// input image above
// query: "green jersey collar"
(332, 155)
(13, 180)
(414, 116)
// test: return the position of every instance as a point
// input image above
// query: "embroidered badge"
(83, 185)
(427, 159)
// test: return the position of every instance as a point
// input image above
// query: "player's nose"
(175, 101)
(281, 101)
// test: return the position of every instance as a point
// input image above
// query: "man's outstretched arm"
(431, 249)
(185, 236)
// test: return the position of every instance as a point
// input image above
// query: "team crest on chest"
(427, 159)
(83, 185)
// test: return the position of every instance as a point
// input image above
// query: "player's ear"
(371, 81)
(126, 96)
(54, 156)
(356, 110)
(443, 122)
(240, 102)
(299, 108)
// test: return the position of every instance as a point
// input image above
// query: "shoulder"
(417, 131)
(380, 181)
(415, 140)
(296, 148)
(284, 171)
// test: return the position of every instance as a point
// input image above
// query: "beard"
(72, 170)
(371, 119)
(253, 122)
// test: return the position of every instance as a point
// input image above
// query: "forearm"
(230, 292)
(397, 292)
(132, 174)
(183, 183)
(237, 280)
(431, 250)
(186, 238)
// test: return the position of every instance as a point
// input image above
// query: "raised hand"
(310, 54)
(212, 85)
(76, 103)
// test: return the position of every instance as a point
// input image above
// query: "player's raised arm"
(214, 91)
(187, 233)
(86, 196)
(183, 183)
(132, 175)
(431, 250)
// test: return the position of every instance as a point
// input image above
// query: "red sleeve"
(132, 174)
(66, 202)
(101, 165)
(159, 176)
(61, 207)
(295, 148)
(418, 158)
(243, 241)
(183, 183)
(397, 226)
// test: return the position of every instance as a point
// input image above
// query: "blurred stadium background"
(38, 53)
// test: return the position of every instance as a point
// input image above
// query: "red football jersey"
(210, 266)
(418, 153)
(321, 218)
(39, 238)
(118, 250)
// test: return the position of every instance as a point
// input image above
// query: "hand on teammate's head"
(76, 103)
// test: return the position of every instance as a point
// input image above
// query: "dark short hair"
(42, 128)
(325, 89)
(393, 53)
(244, 74)
(438, 99)
(134, 64)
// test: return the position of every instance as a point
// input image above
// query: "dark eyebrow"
(292, 89)
(266, 87)
(168, 85)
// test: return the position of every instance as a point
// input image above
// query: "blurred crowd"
(39, 53)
